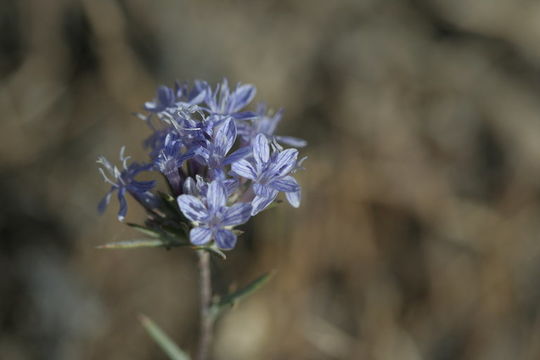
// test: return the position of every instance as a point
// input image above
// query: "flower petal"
(237, 155)
(225, 239)
(263, 190)
(236, 214)
(294, 198)
(244, 168)
(189, 187)
(260, 203)
(123, 204)
(165, 96)
(192, 208)
(225, 137)
(244, 115)
(261, 149)
(284, 162)
(200, 235)
(215, 197)
(230, 186)
(241, 96)
(105, 201)
(291, 141)
(286, 184)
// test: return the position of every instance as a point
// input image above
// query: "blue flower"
(215, 152)
(266, 124)
(165, 98)
(270, 174)
(224, 102)
(124, 181)
(212, 218)
(180, 97)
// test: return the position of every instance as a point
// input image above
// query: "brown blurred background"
(418, 233)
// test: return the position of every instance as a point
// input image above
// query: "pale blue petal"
(192, 208)
(244, 169)
(123, 204)
(105, 201)
(230, 186)
(291, 141)
(286, 184)
(200, 235)
(225, 137)
(236, 214)
(261, 150)
(260, 203)
(225, 239)
(263, 190)
(284, 162)
(189, 187)
(215, 197)
(244, 115)
(242, 96)
(294, 198)
(237, 155)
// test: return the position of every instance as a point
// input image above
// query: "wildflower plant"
(222, 165)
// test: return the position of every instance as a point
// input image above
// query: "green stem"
(207, 320)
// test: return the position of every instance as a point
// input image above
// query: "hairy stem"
(207, 322)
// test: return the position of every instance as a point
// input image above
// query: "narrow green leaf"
(142, 243)
(145, 230)
(164, 341)
(232, 298)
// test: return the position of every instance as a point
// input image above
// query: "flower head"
(222, 161)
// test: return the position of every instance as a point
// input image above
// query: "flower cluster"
(222, 162)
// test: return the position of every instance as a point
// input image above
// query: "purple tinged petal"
(200, 235)
(230, 186)
(286, 184)
(197, 97)
(192, 208)
(244, 169)
(225, 137)
(237, 155)
(223, 95)
(263, 190)
(105, 201)
(141, 186)
(189, 187)
(260, 203)
(215, 197)
(294, 198)
(242, 96)
(261, 150)
(284, 162)
(123, 204)
(165, 96)
(291, 141)
(225, 239)
(237, 214)
(244, 115)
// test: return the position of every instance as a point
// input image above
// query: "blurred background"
(418, 233)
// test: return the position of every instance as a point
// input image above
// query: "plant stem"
(207, 322)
